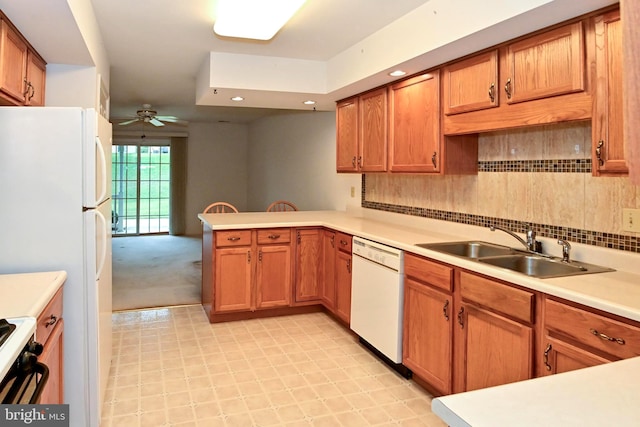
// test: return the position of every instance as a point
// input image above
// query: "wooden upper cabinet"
(607, 127)
(414, 124)
(22, 70)
(36, 78)
(373, 131)
(347, 135)
(471, 84)
(13, 62)
(548, 64)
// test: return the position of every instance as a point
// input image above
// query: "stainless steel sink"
(470, 249)
(527, 263)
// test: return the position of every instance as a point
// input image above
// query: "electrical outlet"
(353, 191)
(631, 220)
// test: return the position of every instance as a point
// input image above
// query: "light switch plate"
(631, 220)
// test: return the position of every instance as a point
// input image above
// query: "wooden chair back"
(281, 206)
(220, 207)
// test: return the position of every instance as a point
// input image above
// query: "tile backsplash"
(539, 176)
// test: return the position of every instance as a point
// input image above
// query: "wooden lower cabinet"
(427, 334)
(328, 293)
(309, 250)
(50, 333)
(251, 269)
(343, 285)
(561, 356)
(495, 349)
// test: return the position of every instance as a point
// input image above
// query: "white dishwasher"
(377, 300)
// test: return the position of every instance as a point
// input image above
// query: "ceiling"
(157, 48)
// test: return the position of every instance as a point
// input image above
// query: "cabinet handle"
(353, 161)
(52, 321)
(248, 257)
(343, 242)
(445, 310)
(349, 265)
(333, 241)
(233, 238)
(33, 91)
(546, 357)
(26, 87)
(492, 92)
(298, 233)
(359, 162)
(460, 318)
(260, 256)
(607, 337)
(507, 88)
(599, 152)
(274, 236)
(433, 159)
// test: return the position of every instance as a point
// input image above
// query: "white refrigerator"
(55, 214)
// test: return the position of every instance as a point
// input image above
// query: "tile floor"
(172, 368)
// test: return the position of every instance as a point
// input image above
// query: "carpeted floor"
(156, 271)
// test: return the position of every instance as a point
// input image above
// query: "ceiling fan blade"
(128, 122)
(173, 120)
(166, 118)
(156, 122)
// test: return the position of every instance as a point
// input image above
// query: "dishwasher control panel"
(377, 252)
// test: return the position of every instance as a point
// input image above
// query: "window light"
(253, 19)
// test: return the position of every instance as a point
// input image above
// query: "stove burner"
(6, 329)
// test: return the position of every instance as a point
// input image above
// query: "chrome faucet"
(531, 243)
(566, 250)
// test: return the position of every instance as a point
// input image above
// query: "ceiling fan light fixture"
(253, 19)
(237, 98)
(397, 73)
(309, 102)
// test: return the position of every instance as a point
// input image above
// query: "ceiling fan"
(148, 115)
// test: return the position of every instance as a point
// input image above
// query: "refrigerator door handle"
(103, 220)
(103, 170)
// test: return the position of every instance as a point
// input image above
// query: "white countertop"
(27, 294)
(615, 292)
(604, 395)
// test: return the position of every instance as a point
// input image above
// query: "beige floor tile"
(304, 370)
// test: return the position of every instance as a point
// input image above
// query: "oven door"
(24, 383)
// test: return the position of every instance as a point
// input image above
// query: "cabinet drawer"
(233, 238)
(436, 274)
(511, 301)
(343, 242)
(47, 320)
(611, 336)
(274, 235)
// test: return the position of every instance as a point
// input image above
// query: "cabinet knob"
(445, 310)
(492, 92)
(599, 152)
(433, 159)
(274, 236)
(233, 238)
(52, 321)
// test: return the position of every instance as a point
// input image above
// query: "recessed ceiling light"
(237, 98)
(397, 73)
(253, 19)
(309, 102)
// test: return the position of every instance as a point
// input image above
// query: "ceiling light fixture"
(309, 102)
(253, 19)
(237, 98)
(397, 73)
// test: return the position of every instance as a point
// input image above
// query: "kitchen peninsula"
(613, 296)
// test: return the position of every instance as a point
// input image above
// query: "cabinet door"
(343, 286)
(347, 135)
(495, 350)
(414, 131)
(51, 356)
(273, 277)
(36, 77)
(548, 64)
(372, 156)
(328, 294)
(13, 62)
(471, 84)
(608, 142)
(427, 334)
(232, 287)
(560, 356)
(308, 264)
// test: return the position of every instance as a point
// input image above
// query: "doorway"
(140, 188)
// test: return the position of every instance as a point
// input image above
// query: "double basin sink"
(528, 263)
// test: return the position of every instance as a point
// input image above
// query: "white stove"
(25, 328)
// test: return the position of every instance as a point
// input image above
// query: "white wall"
(293, 157)
(216, 168)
